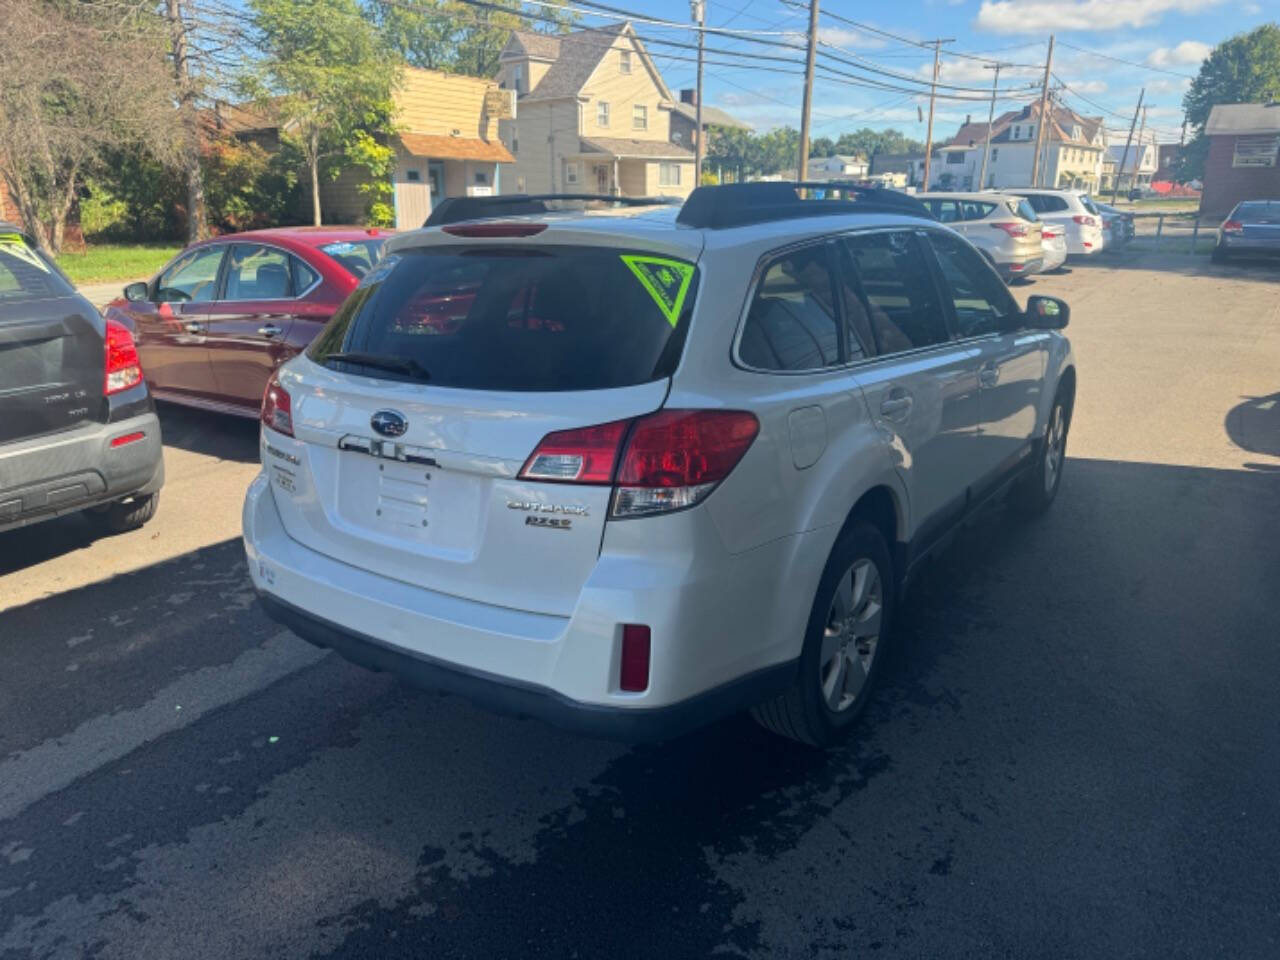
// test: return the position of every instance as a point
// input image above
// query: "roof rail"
(458, 209)
(740, 204)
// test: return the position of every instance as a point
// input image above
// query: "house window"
(624, 61)
(1017, 132)
(413, 176)
(482, 178)
(515, 145)
(995, 154)
(668, 174)
(955, 156)
(639, 117)
(1255, 151)
(517, 79)
(570, 172)
(602, 114)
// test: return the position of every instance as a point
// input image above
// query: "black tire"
(125, 515)
(1219, 255)
(803, 712)
(1038, 489)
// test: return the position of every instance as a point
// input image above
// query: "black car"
(78, 427)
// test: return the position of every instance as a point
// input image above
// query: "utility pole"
(699, 9)
(803, 168)
(933, 93)
(1044, 111)
(1142, 149)
(991, 116)
(1115, 187)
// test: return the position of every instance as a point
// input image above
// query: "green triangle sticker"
(667, 281)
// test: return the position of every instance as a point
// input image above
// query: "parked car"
(652, 469)
(78, 428)
(1053, 239)
(1072, 209)
(1252, 228)
(1118, 225)
(222, 315)
(1004, 229)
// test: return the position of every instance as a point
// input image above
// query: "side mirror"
(1047, 313)
(136, 292)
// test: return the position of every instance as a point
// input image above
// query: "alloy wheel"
(851, 638)
(1054, 448)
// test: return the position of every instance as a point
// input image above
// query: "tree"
(79, 79)
(822, 147)
(326, 77)
(1243, 69)
(458, 36)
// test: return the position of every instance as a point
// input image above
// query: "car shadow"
(1254, 425)
(218, 435)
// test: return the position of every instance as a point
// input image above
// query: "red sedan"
(223, 314)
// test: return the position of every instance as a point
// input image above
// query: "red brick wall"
(1225, 185)
(8, 209)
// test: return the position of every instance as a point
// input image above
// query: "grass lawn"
(111, 262)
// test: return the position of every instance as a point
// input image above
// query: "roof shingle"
(625, 148)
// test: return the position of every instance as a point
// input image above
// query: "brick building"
(1244, 141)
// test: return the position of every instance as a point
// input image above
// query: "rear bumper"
(66, 472)
(506, 696)
(1259, 245)
(1021, 268)
(726, 628)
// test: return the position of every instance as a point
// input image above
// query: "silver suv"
(631, 471)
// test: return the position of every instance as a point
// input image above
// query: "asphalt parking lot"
(1075, 751)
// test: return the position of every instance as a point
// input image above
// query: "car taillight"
(1049, 233)
(670, 460)
(1085, 221)
(1012, 229)
(1233, 226)
(586, 455)
(277, 407)
(123, 368)
(675, 458)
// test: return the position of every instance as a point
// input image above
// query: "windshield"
(552, 318)
(25, 274)
(358, 256)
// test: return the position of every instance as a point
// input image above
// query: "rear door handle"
(896, 405)
(989, 375)
(269, 330)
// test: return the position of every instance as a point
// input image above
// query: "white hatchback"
(1072, 210)
(631, 472)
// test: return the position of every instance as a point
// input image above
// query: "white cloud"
(1252, 9)
(1038, 16)
(1187, 53)
(848, 38)
(1090, 86)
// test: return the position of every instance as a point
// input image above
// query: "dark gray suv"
(78, 427)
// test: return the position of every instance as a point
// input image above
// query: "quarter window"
(258, 273)
(982, 305)
(792, 322)
(193, 278)
(896, 289)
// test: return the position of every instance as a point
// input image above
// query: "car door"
(169, 326)
(248, 328)
(922, 386)
(985, 317)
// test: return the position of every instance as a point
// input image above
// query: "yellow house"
(446, 146)
(592, 115)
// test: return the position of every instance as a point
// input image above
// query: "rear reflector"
(634, 672)
(127, 438)
(586, 455)
(123, 369)
(277, 407)
(495, 229)
(1017, 267)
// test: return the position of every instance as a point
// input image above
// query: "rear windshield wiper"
(381, 361)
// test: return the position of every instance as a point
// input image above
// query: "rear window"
(1257, 210)
(358, 256)
(1089, 205)
(551, 318)
(1021, 207)
(25, 275)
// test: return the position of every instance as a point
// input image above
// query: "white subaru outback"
(631, 471)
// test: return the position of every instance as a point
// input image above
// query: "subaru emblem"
(389, 423)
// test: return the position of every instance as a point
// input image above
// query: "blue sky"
(1165, 40)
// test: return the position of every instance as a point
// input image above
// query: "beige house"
(592, 115)
(447, 146)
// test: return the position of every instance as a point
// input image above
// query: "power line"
(1128, 63)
